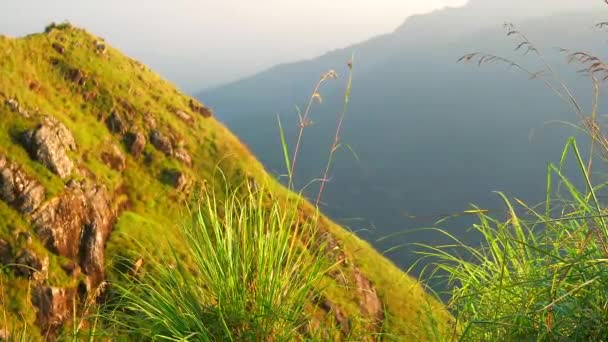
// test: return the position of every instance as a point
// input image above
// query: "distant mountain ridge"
(431, 135)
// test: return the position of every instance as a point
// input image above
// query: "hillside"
(431, 135)
(98, 158)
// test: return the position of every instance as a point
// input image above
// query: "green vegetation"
(253, 269)
(76, 78)
(539, 275)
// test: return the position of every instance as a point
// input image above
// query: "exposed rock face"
(76, 225)
(114, 159)
(17, 189)
(55, 306)
(48, 144)
(161, 142)
(198, 108)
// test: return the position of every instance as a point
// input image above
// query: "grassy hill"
(99, 157)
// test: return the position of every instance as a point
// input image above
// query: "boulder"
(54, 307)
(49, 143)
(17, 189)
(161, 142)
(114, 159)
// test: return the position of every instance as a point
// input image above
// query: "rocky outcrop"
(200, 109)
(161, 142)
(49, 143)
(55, 306)
(77, 225)
(18, 189)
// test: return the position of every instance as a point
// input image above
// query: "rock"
(136, 142)
(77, 225)
(198, 108)
(48, 144)
(150, 120)
(182, 155)
(27, 263)
(370, 302)
(96, 233)
(161, 142)
(100, 47)
(184, 116)
(59, 48)
(115, 123)
(55, 306)
(114, 159)
(176, 179)
(78, 77)
(5, 253)
(17, 189)
(15, 107)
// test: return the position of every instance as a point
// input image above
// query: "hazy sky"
(199, 43)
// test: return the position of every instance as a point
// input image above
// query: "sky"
(202, 43)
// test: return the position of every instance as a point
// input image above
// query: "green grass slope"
(75, 77)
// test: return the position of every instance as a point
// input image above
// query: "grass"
(253, 271)
(540, 274)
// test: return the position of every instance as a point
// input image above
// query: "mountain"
(98, 157)
(431, 135)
